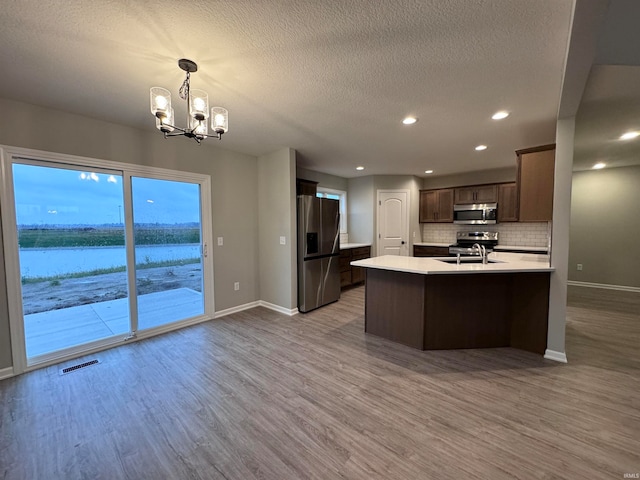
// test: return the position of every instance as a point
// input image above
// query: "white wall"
(234, 184)
(605, 226)
(277, 218)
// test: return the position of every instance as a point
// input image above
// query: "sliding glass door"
(72, 256)
(101, 255)
(167, 234)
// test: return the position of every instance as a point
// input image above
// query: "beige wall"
(565, 130)
(324, 179)
(234, 185)
(605, 226)
(360, 195)
(277, 218)
(496, 175)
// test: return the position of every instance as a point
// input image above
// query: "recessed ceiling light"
(360, 168)
(598, 166)
(500, 115)
(629, 135)
(409, 120)
(481, 147)
(428, 171)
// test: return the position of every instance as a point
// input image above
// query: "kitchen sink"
(466, 260)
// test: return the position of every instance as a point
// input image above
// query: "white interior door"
(393, 222)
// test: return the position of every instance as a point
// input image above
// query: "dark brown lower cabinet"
(352, 275)
(436, 312)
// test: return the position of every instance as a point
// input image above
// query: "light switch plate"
(283, 240)
(220, 241)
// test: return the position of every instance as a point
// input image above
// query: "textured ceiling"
(332, 79)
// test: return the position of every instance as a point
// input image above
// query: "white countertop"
(509, 263)
(430, 244)
(346, 246)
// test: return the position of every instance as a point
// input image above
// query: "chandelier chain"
(184, 89)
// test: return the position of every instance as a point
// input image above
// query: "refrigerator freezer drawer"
(318, 282)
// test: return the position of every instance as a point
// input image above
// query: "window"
(341, 196)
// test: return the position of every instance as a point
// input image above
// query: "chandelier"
(197, 110)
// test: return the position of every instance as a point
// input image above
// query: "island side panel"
(467, 311)
(529, 317)
(394, 306)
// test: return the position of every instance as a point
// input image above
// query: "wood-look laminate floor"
(261, 395)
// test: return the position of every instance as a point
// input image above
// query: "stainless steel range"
(466, 240)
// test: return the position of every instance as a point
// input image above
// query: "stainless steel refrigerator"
(318, 252)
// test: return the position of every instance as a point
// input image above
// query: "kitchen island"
(429, 304)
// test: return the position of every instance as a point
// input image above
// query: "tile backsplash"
(513, 234)
(344, 238)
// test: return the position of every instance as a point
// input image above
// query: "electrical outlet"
(579, 267)
(220, 241)
(236, 286)
(283, 240)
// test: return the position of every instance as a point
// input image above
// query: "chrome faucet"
(481, 251)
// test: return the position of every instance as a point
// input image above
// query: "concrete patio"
(54, 330)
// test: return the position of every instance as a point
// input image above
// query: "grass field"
(104, 237)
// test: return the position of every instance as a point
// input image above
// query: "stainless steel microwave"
(475, 214)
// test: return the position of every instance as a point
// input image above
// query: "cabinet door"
(428, 205)
(535, 178)
(476, 194)
(306, 187)
(445, 206)
(465, 195)
(357, 275)
(486, 194)
(507, 202)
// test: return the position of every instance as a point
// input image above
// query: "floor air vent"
(78, 367)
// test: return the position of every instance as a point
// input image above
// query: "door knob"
(402, 242)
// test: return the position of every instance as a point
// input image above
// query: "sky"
(58, 196)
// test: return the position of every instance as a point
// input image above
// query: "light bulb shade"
(160, 102)
(199, 127)
(165, 124)
(219, 120)
(198, 104)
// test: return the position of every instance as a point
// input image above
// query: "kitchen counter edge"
(509, 263)
(348, 246)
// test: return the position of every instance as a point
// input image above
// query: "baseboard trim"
(257, 303)
(555, 356)
(238, 308)
(605, 286)
(6, 373)
(271, 306)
